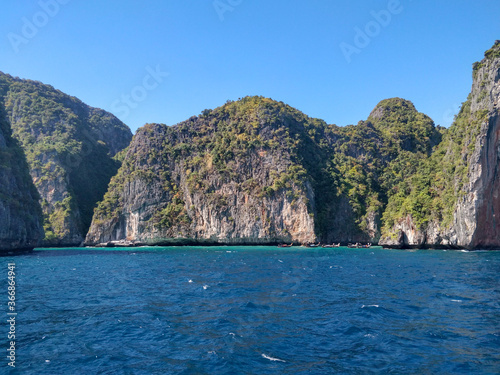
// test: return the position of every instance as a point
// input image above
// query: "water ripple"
(242, 310)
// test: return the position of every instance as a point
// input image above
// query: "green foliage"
(173, 214)
(493, 52)
(489, 55)
(396, 163)
(56, 224)
(375, 159)
(222, 145)
(18, 195)
(68, 146)
(437, 182)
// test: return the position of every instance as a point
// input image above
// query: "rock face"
(481, 226)
(69, 147)
(257, 171)
(223, 177)
(375, 158)
(20, 213)
(473, 143)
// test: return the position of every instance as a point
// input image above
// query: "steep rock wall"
(69, 147)
(476, 208)
(259, 171)
(191, 200)
(20, 213)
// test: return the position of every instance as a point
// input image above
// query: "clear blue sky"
(289, 50)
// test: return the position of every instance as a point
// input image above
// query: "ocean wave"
(272, 358)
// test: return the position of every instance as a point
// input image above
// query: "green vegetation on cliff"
(218, 147)
(435, 184)
(347, 173)
(20, 212)
(69, 148)
(373, 158)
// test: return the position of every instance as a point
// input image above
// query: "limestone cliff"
(257, 171)
(371, 159)
(223, 177)
(20, 213)
(465, 206)
(69, 147)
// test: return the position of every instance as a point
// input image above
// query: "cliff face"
(223, 177)
(20, 212)
(465, 205)
(372, 161)
(487, 234)
(254, 171)
(477, 214)
(69, 147)
(257, 171)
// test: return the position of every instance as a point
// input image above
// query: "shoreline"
(7, 253)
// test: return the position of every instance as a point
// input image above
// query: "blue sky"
(165, 61)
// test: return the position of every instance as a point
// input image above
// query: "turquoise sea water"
(254, 310)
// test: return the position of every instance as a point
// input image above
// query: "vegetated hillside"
(370, 158)
(452, 199)
(259, 171)
(231, 175)
(69, 147)
(20, 212)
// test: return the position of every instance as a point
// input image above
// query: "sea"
(250, 310)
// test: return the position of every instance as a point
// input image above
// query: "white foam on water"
(456, 300)
(279, 260)
(205, 287)
(369, 306)
(272, 358)
(190, 281)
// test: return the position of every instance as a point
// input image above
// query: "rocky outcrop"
(487, 233)
(20, 213)
(257, 171)
(481, 225)
(204, 181)
(476, 207)
(407, 234)
(69, 147)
